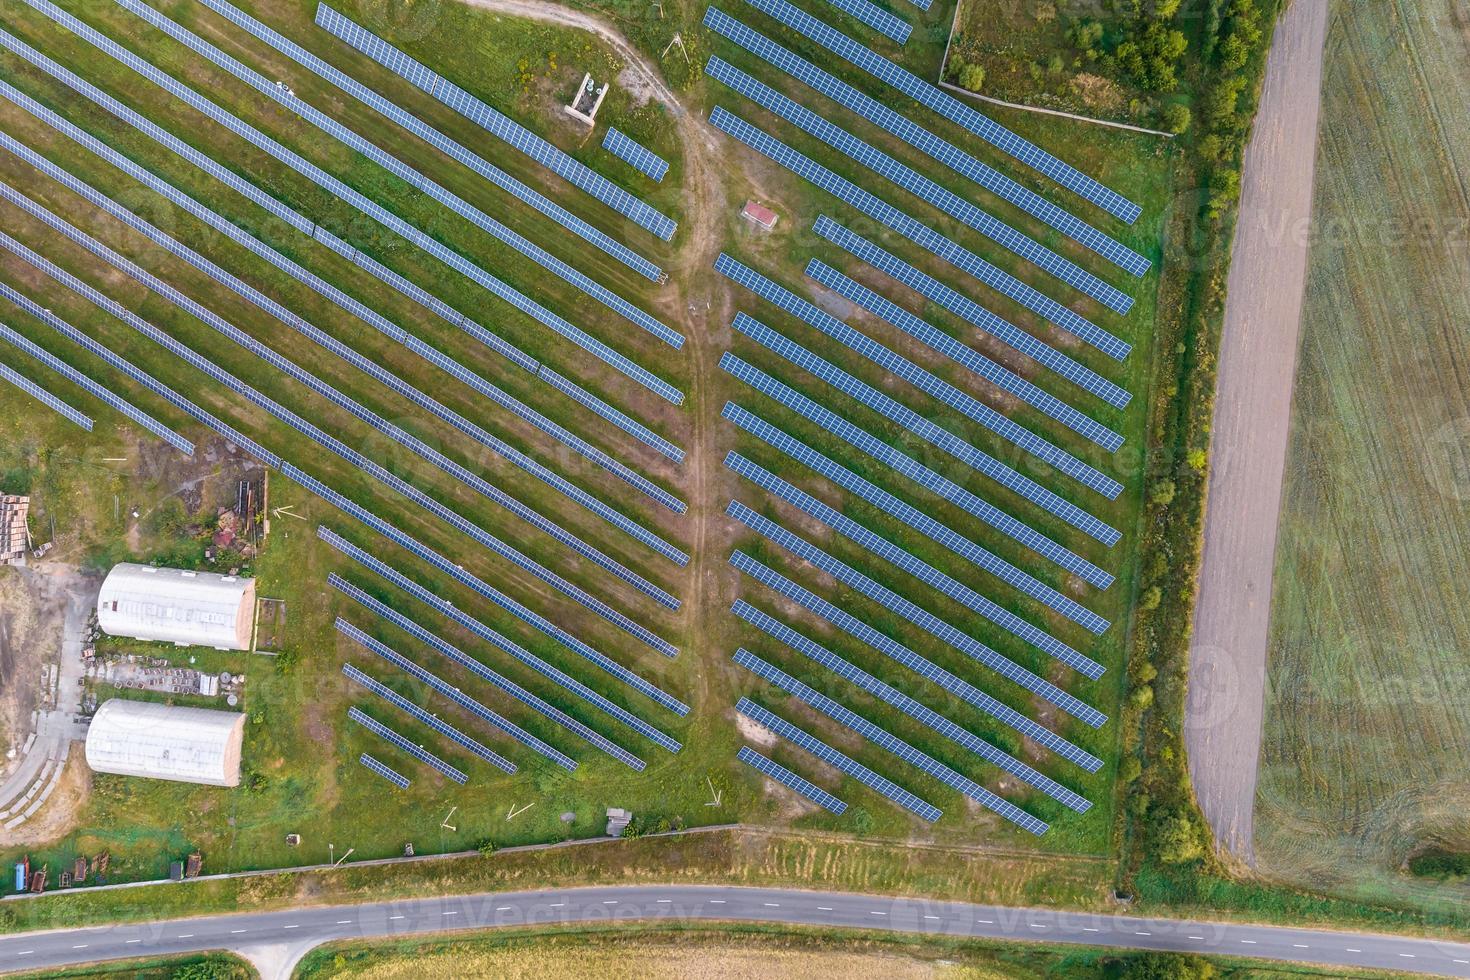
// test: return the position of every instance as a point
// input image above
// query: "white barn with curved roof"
(162, 741)
(171, 605)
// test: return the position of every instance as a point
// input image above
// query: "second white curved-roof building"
(174, 606)
(162, 741)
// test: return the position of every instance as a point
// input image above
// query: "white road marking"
(291, 927)
(1143, 934)
(1461, 961)
(877, 913)
(664, 901)
(187, 935)
(503, 908)
(449, 913)
(131, 941)
(1407, 956)
(609, 901)
(1035, 926)
(824, 908)
(1090, 929)
(82, 946)
(233, 932)
(557, 905)
(25, 952)
(717, 901)
(1351, 950)
(931, 916)
(1198, 938)
(344, 922)
(773, 905)
(1300, 946)
(395, 917)
(1251, 942)
(987, 922)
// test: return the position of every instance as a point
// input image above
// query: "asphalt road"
(297, 930)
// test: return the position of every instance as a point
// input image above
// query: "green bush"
(1176, 118)
(1440, 865)
(972, 77)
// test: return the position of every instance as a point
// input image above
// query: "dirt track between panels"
(1258, 353)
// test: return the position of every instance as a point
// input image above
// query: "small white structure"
(161, 741)
(174, 606)
(587, 101)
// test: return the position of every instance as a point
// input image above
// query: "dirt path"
(1258, 355)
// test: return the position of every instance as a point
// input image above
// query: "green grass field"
(298, 740)
(1368, 721)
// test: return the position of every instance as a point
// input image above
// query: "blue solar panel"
(43, 396)
(895, 364)
(943, 343)
(305, 427)
(966, 308)
(494, 123)
(920, 617)
(408, 174)
(838, 760)
(927, 190)
(452, 693)
(450, 148)
(791, 780)
(448, 609)
(902, 655)
(951, 108)
(449, 257)
(919, 233)
(639, 157)
(922, 139)
(880, 20)
(880, 737)
(914, 709)
(400, 781)
(923, 571)
(393, 738)
(912, 516)
(424, 718)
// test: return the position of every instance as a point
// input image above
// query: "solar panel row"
(959, 304)
(881, 737)
(639, 157)
(447, 690)
(912, 516)
(434, 137)
(393, 738)
(448, 609)
(904, 463)
(308, 429)
(940, 150)
(920, 617)
(406, 173)
(480, 670)
(845, 190)
(838, 760)
(901, 366)
(229, 330)
(493, 122)
(951, 108)
(424, 718)
(923, 571)
(901, 654)
(941, 342)
(373, 764)
(880, 20)
(449, 257)
(14, 377)
(925, 189)
(362, 260)
(791, 780)
(913, 708)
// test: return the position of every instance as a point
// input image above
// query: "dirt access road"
(1258, 353)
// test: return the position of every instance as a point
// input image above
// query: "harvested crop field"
(1367, 729)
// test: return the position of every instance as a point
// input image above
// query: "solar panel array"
(483, 672)
(880, 20)
(951, 108)
(901, 654)
(942, 151)
(941, 342)
(393, 738)
(791, 780)
(925, 189)
(453, 259)
(429, 134)
(454, 694)
(914, 709)
(400, 781)
(912, 516)
(930, 288)
(883, 738)
(923, 571)
(424, 718)
(43, 396)
(530, 660)
(493, 122)
(924, 380)
(634, 154)
(919, 233)
(920, 617)
(838, 760)
(408, 174)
